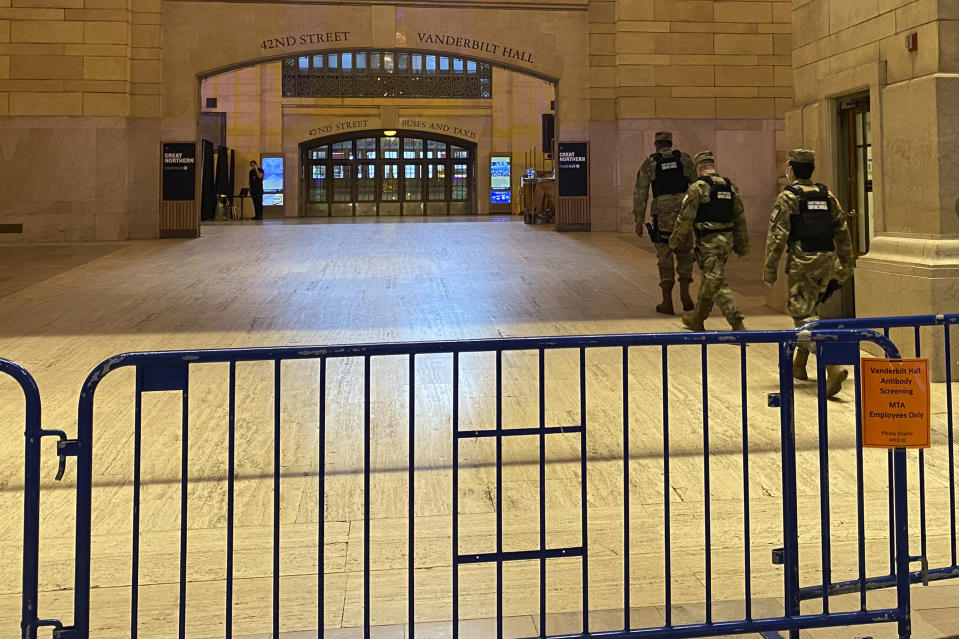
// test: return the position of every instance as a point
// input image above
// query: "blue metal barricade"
(33, 434)
(595, 364)
(921, 336)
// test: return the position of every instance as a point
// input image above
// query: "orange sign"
(895, 403)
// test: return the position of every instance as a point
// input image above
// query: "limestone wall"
(842, 48)
(716, 73)
(125, 76)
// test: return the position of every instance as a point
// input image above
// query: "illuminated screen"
(272, 175)
(499, 172)
(499, 197)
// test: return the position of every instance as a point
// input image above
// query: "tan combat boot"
(799, 364)
(666, 306)
(737, 326)
(688, 303)
(835, 376)
(694, 321)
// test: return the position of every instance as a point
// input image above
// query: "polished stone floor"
(65, 308)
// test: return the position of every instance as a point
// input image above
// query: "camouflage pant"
(712, 252)
(807, 282)
(683, 268)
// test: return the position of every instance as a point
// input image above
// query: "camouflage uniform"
(714, 244)
(808, 273)
(664, 210)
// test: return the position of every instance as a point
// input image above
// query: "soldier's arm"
(689, 168)
(683, 229)
(641, 192)
(740, 233)
(779, 226)
(842, 238)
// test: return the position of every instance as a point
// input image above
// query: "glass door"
(856, 168)
(342, 200)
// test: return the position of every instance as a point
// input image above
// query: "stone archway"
(544, 40)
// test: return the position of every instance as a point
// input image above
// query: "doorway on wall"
(373, 173)
(855, 168)
(365, 133)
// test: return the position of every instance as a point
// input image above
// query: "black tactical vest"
(670, 175)
(812, 227)
(719, 209)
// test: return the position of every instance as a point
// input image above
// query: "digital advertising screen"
(272, 175)
(500, 179)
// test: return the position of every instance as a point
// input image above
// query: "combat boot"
(799, 364)
(835, 376)
(688, 303)
(737, 326)
(666, 306)
(694, 321)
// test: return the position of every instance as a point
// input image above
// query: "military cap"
(664, 136)
(802, 156)
(704, 157)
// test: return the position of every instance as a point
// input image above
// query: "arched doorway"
(370, 173)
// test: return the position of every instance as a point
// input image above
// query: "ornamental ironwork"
(385, 74)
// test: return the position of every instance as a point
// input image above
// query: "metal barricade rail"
(592, 362)
(33, 434)
(914, 336)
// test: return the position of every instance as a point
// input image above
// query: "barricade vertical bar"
(31, 498)
(860, 498)
(892, 504)
(321, 533)
(890, 478)
(790, 517)
(499, 494)
(747, 563)
(137, 446)
(542, 493)
(626, 517)
(184, 501)
(952, 452)
(902, 545)
(456, 495)
(366, 497)
(706, 487)
(276, 497)
(922, 474)
(412, 501)
(666, 488)
(230, 501)
(583, 491)
(824, 512)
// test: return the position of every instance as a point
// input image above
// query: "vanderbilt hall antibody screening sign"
(895, 403)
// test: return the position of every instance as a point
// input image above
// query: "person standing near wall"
(713, 212)
(669, 173)
(808, 222)
(256, 189)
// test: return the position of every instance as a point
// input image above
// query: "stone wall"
(843, 48)
(716, 73)
(111, 79)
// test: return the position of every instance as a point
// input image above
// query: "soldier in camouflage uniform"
(712, 211)
(669, 173)
(809, 224)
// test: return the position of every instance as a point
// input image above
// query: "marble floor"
(64, 309)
